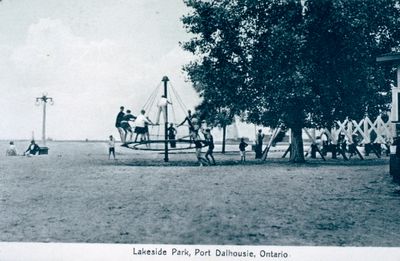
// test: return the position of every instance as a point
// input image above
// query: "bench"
(43, 150)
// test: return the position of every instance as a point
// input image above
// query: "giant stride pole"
(44, 124)
(165, 80)
(44, 100)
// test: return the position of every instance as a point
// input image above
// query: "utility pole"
(44, 100)
(165, 80)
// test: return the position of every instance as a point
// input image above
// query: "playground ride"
(159, 138)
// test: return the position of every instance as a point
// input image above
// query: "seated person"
(11, 151)
(33, 149)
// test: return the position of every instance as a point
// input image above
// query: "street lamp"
(44, 100)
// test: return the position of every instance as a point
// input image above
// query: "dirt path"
(82, 197)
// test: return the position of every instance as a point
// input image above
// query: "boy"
(172, 135)
(126, 126)
(210, 143)
(188, 119)
(120, 117)
(111, 147)
(33, 149)
(162, 107)
(242, 148)
(140, 129)
(197, 142)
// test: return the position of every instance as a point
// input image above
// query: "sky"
(91, 57)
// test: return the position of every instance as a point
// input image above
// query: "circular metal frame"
(135, 145)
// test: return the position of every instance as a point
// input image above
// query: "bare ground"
(76, 194)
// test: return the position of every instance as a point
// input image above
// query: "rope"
(180, 102)
(174, 98)
(151, 98)
(173, 111)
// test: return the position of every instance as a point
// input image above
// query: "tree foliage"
(300, 62)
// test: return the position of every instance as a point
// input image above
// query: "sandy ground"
(75, 194)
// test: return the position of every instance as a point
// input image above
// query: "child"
(162, 107)
(242, 148)
(120, 117)
(11, 151)
(111, 147)
(197, 142)
(140, 128)
(172, 135)
(126, 126)
(259, 144)
(188, 119)
(33, 149)
(210, 143)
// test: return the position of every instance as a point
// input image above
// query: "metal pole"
(165, 80)
(39, 100)
(44, 124)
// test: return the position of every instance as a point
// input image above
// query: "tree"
(306, 63)
(344, 39)
(216, 75)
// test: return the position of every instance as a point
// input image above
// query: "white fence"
(366, 131)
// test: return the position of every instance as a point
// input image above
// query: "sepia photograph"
(229, 128)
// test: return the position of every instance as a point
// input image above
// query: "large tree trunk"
(223, 138)
(296, 148)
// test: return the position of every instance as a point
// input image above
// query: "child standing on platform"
(162, 108)
(120, 117)
(126, 126)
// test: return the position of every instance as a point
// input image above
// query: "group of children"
(141, 128)
(195, 130)
(124, 128)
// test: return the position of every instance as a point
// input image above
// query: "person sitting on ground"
(242, 148)
(33, 149)
(11, 151)
(162, 107)
(126, 126)
(140, 128)
(111, 147)
(210, 143)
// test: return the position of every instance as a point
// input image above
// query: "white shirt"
(141, 120)
(111, 143)
(162, 102)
